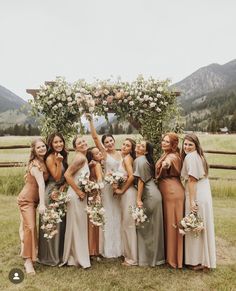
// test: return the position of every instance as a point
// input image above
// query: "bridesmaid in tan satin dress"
(168, 169)
(30, 196)
(96, 174)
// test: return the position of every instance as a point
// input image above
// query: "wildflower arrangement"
(115, 178)
(139, 215)
(55, 211)
(191, 223)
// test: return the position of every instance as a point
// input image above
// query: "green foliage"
(149, 105)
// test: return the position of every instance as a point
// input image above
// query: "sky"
(42, 39)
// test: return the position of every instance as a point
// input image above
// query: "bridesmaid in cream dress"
(76, 251)
(128, 198)
(111, 247)
(200, 251)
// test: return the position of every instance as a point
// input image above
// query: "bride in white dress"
(111, 247)
(76, 251)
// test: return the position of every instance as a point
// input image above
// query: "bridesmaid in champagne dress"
(95, 159)
(29, 198)
(151, 235)
(111, 247)
(168, 169)
(51, 251)
(76, 251)
(128, 198)
(200, 252)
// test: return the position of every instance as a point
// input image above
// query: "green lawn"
(110, 274)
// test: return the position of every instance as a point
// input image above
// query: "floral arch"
(149, 105)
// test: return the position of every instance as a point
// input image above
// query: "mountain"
(208, 98)
(207, 79)
(9, 100)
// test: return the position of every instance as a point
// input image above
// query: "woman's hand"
(63, 187)
(58, 158)
(114, 186)
(42, 208)
(81, 195)
(139, 203)
(193, 206)
(118, 192)
(166, 164)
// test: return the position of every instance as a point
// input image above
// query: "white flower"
(146, 97)
(158, 109)
(131, 103)
(69, 99)
(104, 102)
(160, 88)
(125, 100)
(68, 92)
(152, 104)
(49, 103)
(59, 105)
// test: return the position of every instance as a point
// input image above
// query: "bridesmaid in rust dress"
(29, 198)
(96, 174)
(168, 169)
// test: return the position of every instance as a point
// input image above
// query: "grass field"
(110, 274)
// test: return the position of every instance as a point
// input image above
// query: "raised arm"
(54, 165)
(41, 185)
(72, 169)
(96, 137)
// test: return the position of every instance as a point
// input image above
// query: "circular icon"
(16, 276)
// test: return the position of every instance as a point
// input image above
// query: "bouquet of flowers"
(55, 211)
(115, 178)
(87, 186)
(139, 215)
(191, 222)
(96, 212)
(50, 219)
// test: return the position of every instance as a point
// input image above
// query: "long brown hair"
(193, 138)
(64, 152)
(133, 145)
(32, 149)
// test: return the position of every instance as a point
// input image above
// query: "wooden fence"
(23, 164)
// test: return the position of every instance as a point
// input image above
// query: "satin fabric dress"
(201, 249)
(172, 192)
(28, 200)
(51, 251)
(76, 250)
(128, 227)
(151, 236)
(111, 239)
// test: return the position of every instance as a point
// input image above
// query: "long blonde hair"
(193, 138)
(32, 151)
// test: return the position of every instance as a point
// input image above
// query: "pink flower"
(109, 99)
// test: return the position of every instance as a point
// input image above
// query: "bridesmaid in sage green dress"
(151, 235)
(51, 251)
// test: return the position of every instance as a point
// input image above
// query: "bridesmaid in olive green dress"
(50, 252)
(151, 235)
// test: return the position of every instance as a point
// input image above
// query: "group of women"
(166, 202)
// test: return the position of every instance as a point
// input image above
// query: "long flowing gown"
(51, 251)
(172, 192)
(76, 251)
(151, 235)
(111, 242)
(201, 249)
(128, 228)
(28, 200)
